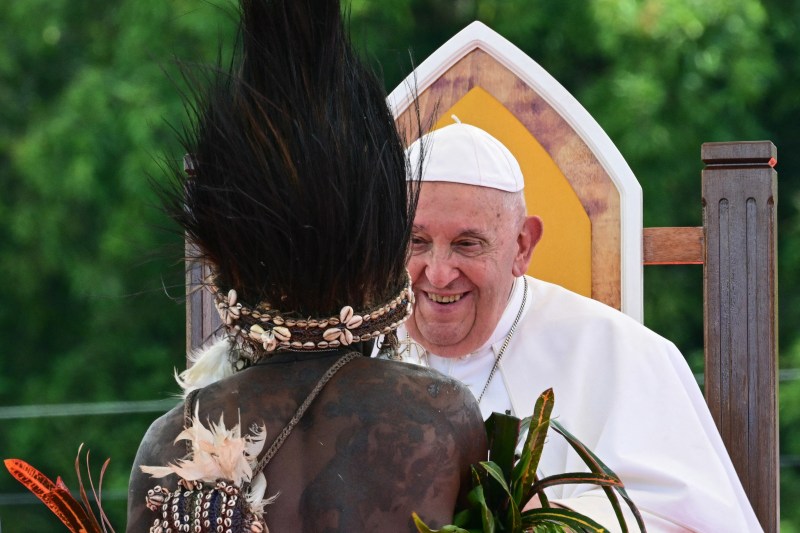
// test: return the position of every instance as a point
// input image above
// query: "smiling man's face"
(468, 245)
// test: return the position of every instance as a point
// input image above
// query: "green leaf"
(577, 478)
(517, 488)
(562, 517)
(597, 466)
(422, 528)
(502, 432)
(512, 514)
(547, 527)
(476, 496)
(463, 518)
(534, 444)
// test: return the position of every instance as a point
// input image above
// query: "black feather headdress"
(298, 195)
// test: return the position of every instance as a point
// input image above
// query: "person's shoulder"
(414, 391)
(428, 382)
(162, 430)
(555, 308)
(564, 302)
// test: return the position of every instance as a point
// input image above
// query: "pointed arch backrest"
(576, 179)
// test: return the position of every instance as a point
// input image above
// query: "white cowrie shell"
(346, 314)
(322, 345)
(232, 297)
(331, 334)
(302, 323)
(290, 322)
(297, 344)
(354, 322)
(278, 321)
(333, 344)
(347, 337)
(309, 345)
(281, 333)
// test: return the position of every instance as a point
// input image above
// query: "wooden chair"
(591, 204)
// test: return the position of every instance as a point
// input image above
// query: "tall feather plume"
(300, 196)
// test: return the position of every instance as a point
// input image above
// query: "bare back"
(381, 441)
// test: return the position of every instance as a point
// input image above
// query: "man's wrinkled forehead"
(461, 153)
(462, 210)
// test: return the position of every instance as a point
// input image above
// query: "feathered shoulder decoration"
(220, 486)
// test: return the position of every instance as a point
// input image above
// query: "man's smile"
(443, 298)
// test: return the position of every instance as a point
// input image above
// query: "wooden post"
(740, 282)
(202, 321)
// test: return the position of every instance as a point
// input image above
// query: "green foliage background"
(90, 298)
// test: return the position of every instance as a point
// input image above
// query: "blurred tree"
(86, 105)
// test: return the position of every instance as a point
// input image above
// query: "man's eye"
(468, 247)
(418, 244)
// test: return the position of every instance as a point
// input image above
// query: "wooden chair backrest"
(591, 204)
(576, 179)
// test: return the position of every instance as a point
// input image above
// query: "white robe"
(627, 394)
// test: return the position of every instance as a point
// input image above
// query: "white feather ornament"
(217, 453)
(207, 365)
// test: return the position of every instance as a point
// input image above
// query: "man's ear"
(529, 235)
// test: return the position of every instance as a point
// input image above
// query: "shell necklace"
(409, 343)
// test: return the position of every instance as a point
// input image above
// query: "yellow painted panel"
(564, 255)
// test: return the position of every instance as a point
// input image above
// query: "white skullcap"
(461, 153)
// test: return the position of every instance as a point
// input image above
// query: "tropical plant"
(505, 483)
(76, 514)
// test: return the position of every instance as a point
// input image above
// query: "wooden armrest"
(673, 246)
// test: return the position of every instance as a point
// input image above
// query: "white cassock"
(626, 393)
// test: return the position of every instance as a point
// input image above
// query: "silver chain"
(507, 340)
(409, 343)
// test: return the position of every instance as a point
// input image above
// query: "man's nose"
(441, 269)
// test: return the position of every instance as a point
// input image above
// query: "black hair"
(298, 195)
